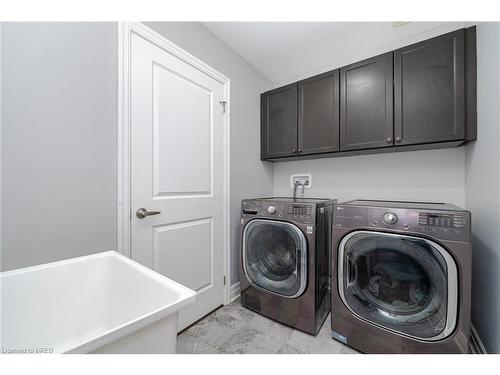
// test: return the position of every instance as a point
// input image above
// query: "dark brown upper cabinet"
(318, 113)
(429, 90)
(366, 119)
(279, 122)
(418, 97)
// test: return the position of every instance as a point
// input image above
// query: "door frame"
(125, 31)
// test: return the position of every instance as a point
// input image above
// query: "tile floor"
(234, 329)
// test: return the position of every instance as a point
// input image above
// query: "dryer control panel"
(443, 224)
(441, 220)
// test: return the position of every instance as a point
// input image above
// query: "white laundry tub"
(102, 303)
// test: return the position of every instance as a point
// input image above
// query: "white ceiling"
(287, 51)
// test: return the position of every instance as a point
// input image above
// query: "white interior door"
(177, 169)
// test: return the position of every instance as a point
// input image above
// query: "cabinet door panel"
(279, 122)
(429, 84)
(366, 102)
(318, 127)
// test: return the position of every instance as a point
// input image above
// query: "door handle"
(141, 213)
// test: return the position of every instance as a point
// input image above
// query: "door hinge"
(224, 280)
(223, 104)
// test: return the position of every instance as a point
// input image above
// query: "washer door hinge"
(223, 104)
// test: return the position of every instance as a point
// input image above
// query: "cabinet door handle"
(300, 150)
(398, 139)
(294, 151)
(389, 139)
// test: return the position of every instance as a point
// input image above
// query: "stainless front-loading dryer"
(285, 265)
(401, 277)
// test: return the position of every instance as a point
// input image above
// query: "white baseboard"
(235, 291)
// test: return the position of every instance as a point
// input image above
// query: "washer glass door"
(275, 257)
(403, 283)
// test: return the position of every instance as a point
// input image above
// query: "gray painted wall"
(483, 190)
(59, 141)
(249, 176)
(59, 84)
(433, 175)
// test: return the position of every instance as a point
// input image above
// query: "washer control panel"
(390, 218)
(299, 209)
(300, 212)
(271, 209)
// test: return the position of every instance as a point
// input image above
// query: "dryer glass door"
(275, 257)
(402, 283)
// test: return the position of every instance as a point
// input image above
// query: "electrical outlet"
(303, 178)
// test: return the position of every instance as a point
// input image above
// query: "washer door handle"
(351, 267)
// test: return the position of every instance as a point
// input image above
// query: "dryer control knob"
(390, 218)
(271, 209)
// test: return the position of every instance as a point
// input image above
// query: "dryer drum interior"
(274, 257)
(403, 283)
